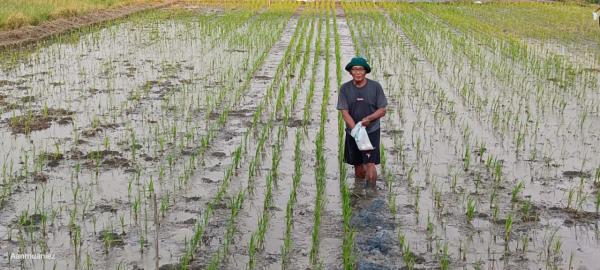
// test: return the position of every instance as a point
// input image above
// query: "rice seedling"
(508, 229)
(430, 227)
(570, 195)
(470, 208)
(597, 201)
(524, 243)
(467, 158)
(445, 258)
(516, 191)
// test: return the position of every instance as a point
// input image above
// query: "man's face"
(358, 73)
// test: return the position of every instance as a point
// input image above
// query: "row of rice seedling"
(297, 176)
(320, 162)
(348, 257)
(311, 88)
(222, 252)
(258, 236)
(281, 81)
(314, 11)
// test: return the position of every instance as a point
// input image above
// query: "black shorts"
(353, 156)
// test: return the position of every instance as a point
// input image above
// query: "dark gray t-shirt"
(372, 93)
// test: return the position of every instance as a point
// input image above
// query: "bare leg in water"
(360, 171)
(371, 174)
(368, 171)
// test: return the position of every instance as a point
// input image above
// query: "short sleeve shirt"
(372, 92)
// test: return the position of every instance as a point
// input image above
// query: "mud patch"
(91, 132)
(111, 239)
(572, 216)
(51, 159)
(295, 123)
(31, 221)
(24, 124)
(573, 174)
(40, 177)
(106, 158)
(105, 208)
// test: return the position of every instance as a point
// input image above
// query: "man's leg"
(360, 171)
(371, 174)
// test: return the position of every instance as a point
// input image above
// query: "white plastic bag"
(359, 133)
(595, 15)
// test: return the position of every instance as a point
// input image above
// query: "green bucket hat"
(358, 61)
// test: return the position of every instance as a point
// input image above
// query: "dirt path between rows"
(30, 34)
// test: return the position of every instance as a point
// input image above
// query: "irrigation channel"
(206, 137)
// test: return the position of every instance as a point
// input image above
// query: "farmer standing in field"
(362, 100)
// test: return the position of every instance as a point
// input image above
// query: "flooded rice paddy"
(206, 137)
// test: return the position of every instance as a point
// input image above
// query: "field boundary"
(30, 34)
